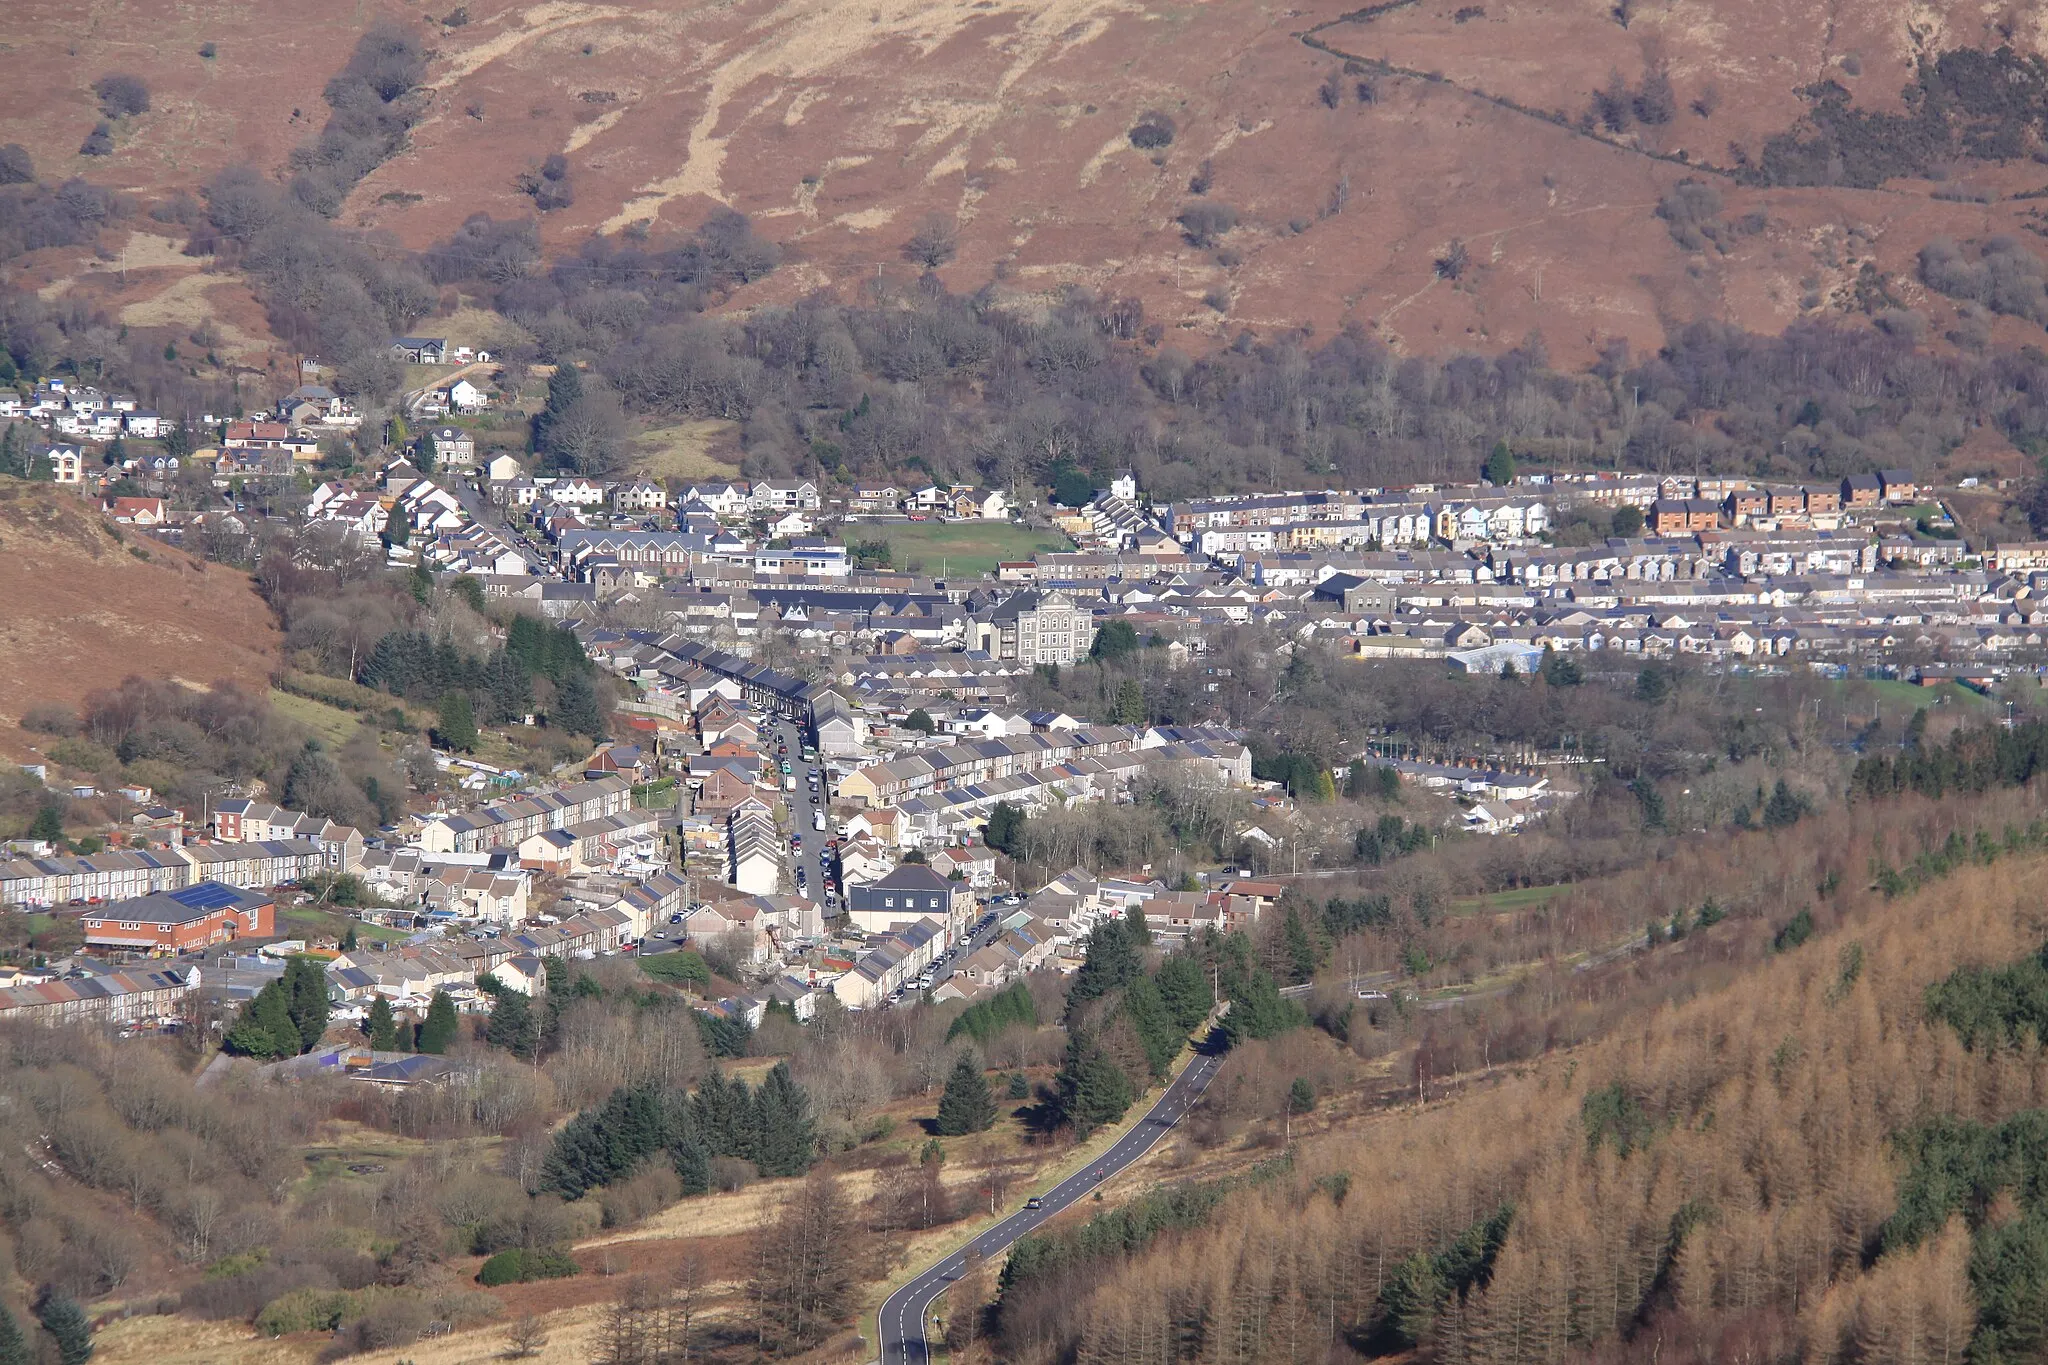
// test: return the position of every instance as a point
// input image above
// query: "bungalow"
(137, 511)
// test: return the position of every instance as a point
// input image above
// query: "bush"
(520, 1265)
(121, 94)
(1204, 223)
(16, 166)
(653, 1188)
(1152, 131)
(302, 1310)
(49, 718)
(98, 142)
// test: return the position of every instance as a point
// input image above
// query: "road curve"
(902, 1316)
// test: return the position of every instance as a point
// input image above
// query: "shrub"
(121, 94)
(98, 142)
(650, 1190)
(1204, 223)
(208, 51)
(49, 718)
(520, 1265)
(302, 1310)
(1152, 131)
(16, 166)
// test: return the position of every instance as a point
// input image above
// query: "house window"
(888, 902)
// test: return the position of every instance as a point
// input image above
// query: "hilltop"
(88, 604)
(1355, 149)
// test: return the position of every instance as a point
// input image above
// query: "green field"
(1518, 898)
(331, 723)
(953, 547)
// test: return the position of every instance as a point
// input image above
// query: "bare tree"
(525, 1338)
(934, 243)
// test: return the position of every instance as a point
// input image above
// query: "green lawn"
(1517, 898)
(331, 723)
(954, 547)
(306, 920)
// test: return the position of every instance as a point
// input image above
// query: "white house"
(464, 396)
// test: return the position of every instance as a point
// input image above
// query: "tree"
(305, 990)
(48, 825)
(921, 721)
(381, 1027)
(967, 1106)
(1072, 488)
(1185, 990)
(1627, 521)
(265, 1028)
(441, 1026)
(1114, 641)
(1300, 947)
(525, 1338)
(426, 455)
(16, 166)
(565, 391)
(1258, 1011)
(576, 709)
(121, 94)
(804, 1268)
(1500, 466)
(98, 142)
(1784, 808)
(513, 1025)
(1092, 1089)
(13, 1346)
(1301, 1096)
(1561, 670)
(68, 1326)
(934, 242)
(456, 729)
(1005, 829)
(1652, 685)
(1129, 708)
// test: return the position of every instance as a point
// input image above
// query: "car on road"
(1034, 1202)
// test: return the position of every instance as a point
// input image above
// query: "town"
(837, 734)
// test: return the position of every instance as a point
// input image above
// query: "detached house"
(454, 448)
(421, 350)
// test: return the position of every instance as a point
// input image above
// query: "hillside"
(87, 604)
(840, 129)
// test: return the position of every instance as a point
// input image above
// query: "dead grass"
(698, 449)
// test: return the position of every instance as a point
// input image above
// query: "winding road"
(903, 1314)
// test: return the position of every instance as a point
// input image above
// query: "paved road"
(804, 803)
(903, 1314)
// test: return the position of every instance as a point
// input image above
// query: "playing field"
(953, 547)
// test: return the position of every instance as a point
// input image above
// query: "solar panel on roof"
(205, 896)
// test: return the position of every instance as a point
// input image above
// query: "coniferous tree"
(788, 1136)
(438, 1032)
(1257, 1010)
(457, 726)
(381, 1027)
(14, 1348)
(68, 1326)
(514, 1025)
(576, 709)
(967, 1106)
(305, 990)
(1112, 961)
(1092, 1089)
(804, 1271)
(1185, 990)
(48, 825)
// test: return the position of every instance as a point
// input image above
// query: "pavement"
(902, 1317)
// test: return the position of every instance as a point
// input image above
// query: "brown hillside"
(840, 127)
(83, 605)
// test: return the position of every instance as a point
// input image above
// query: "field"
(703, 449)
(331, 723)
(954, 547)
(1499, 902)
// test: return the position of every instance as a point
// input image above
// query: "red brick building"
(196, 916)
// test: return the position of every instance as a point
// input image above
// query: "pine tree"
(457, 727)
(1130, 703)
(381, 1027)
(48, 825)
(1093, 1089)
(428, 455)
(1185, 990)
(67, 1325)
(1500, 465)
(967, 1106)
(13, 1345)
(305, 990)
(576, 709)
(440, 1028)
(1300, 947)
(513, 1025)
(788, 1135)
(1258, 1011)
